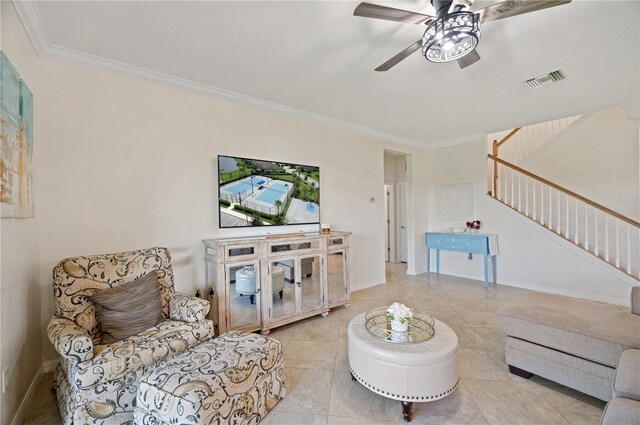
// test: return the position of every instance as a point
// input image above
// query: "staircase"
(526, 142)
(606, 234)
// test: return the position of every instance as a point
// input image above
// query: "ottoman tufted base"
(236, 378)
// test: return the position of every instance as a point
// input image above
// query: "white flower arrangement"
(400, 313)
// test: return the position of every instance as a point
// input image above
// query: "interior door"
(401, 218)
(387, 220)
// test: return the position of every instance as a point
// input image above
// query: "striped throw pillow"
(129, 309)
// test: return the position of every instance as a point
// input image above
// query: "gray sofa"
(570, 341)
(624, 407)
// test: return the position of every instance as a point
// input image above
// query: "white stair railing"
(608, 235)
(527, 141)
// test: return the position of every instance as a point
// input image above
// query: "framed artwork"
(16, 143)
(454, 201)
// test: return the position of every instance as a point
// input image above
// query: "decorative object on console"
(255, 192)
(325, 229)
(473, 226)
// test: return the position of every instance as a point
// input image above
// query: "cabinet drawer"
(337, 242)
(465, 246)
(293, 247)
(241, 252)
(434, 241)
(456, 239)
(463, 241)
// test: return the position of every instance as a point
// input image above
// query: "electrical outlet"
(5, 379)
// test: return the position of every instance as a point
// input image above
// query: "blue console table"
(487, 245)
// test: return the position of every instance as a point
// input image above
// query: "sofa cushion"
(621, 411)
(76, 279)
(586, 329)
(627, 381)
(129, 309)
(113, 361)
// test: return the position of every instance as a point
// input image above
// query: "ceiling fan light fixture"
(451, 36)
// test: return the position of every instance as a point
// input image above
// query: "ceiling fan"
(454, 33)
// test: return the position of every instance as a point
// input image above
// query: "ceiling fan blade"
(400, 56)
(369, 10)
(469, 59)
(460, 4)
(515, 7)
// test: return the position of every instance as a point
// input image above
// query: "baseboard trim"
(50, 365)
(17, 419)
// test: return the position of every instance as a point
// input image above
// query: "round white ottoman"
(410, 373)
(246, 281)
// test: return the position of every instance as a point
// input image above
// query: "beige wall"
(126, 164)
(21, 350)
(394, 168)
(597, 158)
(530, 257)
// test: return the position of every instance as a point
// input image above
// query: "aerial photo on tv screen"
(252, 192)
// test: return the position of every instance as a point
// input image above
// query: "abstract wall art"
(16, 143)
(454, 201)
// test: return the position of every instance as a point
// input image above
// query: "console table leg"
(495, 268)
(407, 407)
(486, 271)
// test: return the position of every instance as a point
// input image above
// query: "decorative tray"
(420, 329)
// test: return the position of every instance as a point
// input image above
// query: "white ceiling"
(314, 58)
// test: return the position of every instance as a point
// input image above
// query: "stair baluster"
(586, 227)
(597, 240)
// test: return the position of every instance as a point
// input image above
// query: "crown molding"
(36, 30)
(34, 25)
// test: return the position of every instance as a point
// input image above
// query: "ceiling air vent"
(545, 79)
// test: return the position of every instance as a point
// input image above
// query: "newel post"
(495, 169)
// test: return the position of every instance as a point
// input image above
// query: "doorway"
(401, 222)
(395, 207)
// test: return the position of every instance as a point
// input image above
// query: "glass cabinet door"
(243, 294)
(309, 282)
(282, 302)
(336, 276)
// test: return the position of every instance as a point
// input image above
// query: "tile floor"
(320, 389)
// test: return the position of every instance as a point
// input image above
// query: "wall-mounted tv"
(253, 192)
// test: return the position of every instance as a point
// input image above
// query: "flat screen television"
(253, 192)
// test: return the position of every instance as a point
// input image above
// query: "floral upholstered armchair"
(97, 382)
